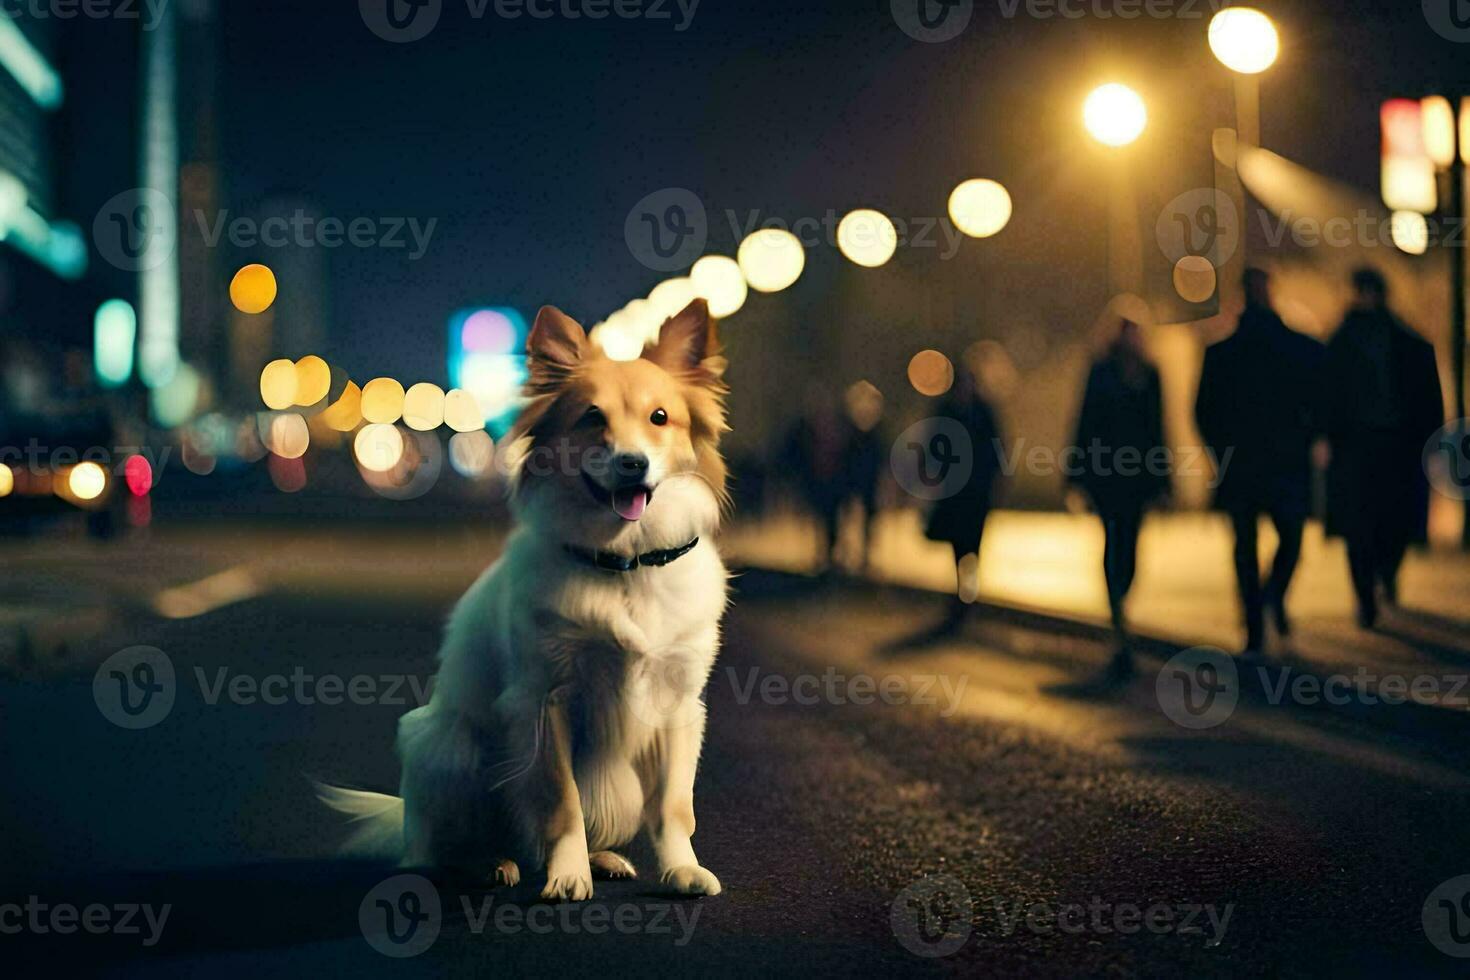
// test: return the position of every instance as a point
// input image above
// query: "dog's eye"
(593, 416)
(659, 417)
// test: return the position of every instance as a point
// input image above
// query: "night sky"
(530, 140)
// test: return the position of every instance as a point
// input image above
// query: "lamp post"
(1116, 117)
(1446, 142)
(1245, 41)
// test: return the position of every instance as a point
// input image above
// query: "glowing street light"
(1114, 114)
(1244, 40)
(980, 207)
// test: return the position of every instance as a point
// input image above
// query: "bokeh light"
(382, 401)
(378, 447)
(1410, 232)
(719, 280)
(771, 259)
(288, 436)
(423, 407)
(345, 414)
(471, 453)
(253, 289)
(1244, 39)
(175, 401)
(87, 481)
(115, 334)
(7, 480)
(278, 384)
(138, 475)
(288, 475)
(489, 331)
(1195, 278)
(313, 380)
(867, 238)
(670, 297)
(980, 207)
(1114, 114)
(931, 373)
(462, 413)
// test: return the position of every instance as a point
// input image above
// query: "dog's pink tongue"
(629, 503)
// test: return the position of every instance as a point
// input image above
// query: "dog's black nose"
(630, 466)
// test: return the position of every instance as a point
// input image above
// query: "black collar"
(610, 562)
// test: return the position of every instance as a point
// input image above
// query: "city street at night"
(1312, 833)
(703, 488)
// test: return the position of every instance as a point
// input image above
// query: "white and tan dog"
(567, 715)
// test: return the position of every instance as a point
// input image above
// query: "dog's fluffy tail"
(375, 820)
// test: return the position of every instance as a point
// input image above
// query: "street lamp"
(1114, 114)
(1244, 39)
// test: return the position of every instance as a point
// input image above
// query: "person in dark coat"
(1117, 460)
(1383, 402)
(812, 455)
(1257, 412)
(959, 518)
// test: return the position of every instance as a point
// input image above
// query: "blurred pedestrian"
(1383, 402)
(812, 454)
(1257, 412)
(1116, 460)
(863, 455)
(959, 519)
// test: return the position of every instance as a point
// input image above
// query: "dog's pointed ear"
(556, 346)
(689, 343)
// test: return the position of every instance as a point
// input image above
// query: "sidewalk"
(1185, 592)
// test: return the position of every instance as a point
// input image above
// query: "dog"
(567, 712)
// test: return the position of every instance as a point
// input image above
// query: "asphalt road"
(869, 798)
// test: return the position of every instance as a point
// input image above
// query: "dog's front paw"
(691, 879)
(575, 886)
